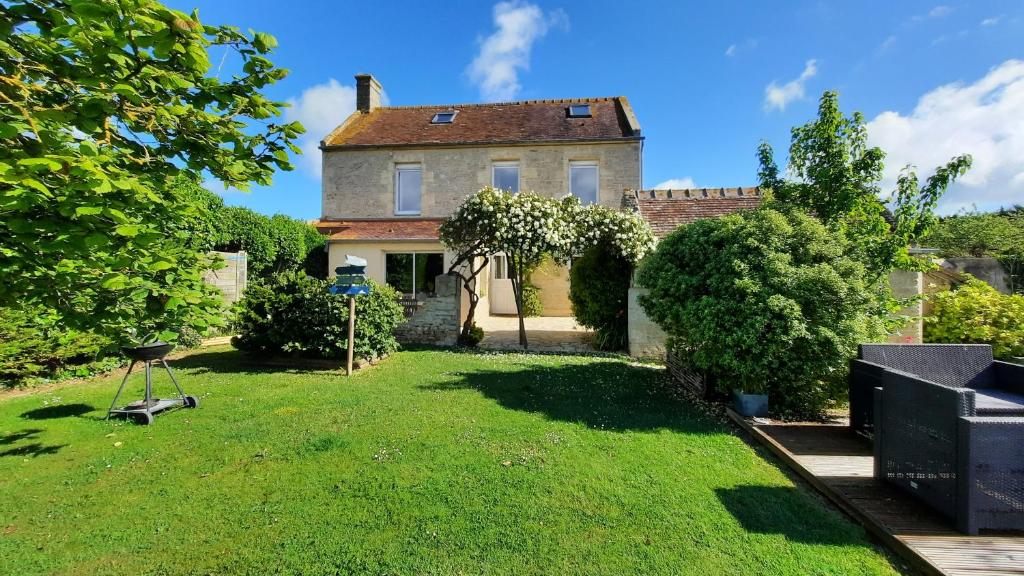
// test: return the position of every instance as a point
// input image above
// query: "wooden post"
(351, 333)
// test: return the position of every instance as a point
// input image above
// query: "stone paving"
(543, 334)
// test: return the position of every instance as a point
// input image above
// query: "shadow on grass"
(783, 510)
(238, 362)
(604, 395)
(21, 435)
(57, 411)
(34, 449)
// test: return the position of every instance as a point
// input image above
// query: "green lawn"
(430, 463)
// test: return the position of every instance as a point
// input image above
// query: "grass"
(430, 463)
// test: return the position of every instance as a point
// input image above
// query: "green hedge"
(33, 348)
(294, 314)
(976, 313)
(599, 289)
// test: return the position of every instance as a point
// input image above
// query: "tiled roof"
(505, 122)
(423, 229)
(666, 210)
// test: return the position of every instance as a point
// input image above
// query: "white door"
(503, 300)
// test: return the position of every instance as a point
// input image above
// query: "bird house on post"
(351, 281)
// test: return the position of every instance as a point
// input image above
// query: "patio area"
(839, 464)
(543, 333)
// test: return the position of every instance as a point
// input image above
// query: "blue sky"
(707, 82)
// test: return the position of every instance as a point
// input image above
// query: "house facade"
(392, 174)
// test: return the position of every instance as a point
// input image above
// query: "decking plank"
(839, 465)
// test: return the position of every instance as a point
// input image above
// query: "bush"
(532, 306)
(472, 337)
(598, 290)
(975, 313)
(763, 301)
(292, 313)
(32, 346)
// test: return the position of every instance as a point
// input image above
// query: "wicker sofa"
(955, 365)
(958, 448)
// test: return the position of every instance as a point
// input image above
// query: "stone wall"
(232, 279)
(361, 183)
(988, 270)
(907, 284)
(646, 339)
(437, 321)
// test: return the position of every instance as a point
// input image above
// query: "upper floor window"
(505, 176)
(579, 111)
(408, 188)
(583, 181)
(444, 117)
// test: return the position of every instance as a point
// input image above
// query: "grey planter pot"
(750, 405)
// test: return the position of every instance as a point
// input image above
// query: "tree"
(527, 227)
(837, 177)
(766, 300)
(997, 235)
(468, 233)
(104, 103)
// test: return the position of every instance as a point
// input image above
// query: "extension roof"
(666, 210)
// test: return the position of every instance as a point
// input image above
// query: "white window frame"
(507, 164)
(407, 167)
(597, 177)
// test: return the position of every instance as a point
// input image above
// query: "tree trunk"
(517, 291)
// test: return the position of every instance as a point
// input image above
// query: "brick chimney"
(367, 93)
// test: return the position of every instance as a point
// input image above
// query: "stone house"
(391, 174)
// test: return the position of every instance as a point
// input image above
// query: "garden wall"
(232, 279)
(437, 321)
(646, 339)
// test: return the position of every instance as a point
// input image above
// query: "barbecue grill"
(143, 411)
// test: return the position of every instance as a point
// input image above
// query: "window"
(413, 273)
(444, 117)
(500, 267)
(407, 189)
(579, 111)
(583, 181)
(505, 176)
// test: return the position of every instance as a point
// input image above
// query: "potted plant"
(750, 402)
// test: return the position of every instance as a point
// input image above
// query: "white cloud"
(991, 21)
(734, 49)
(939, 11)
(778, 97)
(507, 50)
(676, 184)
(320, 108)
(887, 44)
(984, 119)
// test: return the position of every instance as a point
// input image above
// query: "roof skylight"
(444, 117)
(579, 111)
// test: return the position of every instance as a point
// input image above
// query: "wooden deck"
(839, 464)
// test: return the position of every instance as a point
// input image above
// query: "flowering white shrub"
(626, 233)
(526, 227)
(532, 225)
